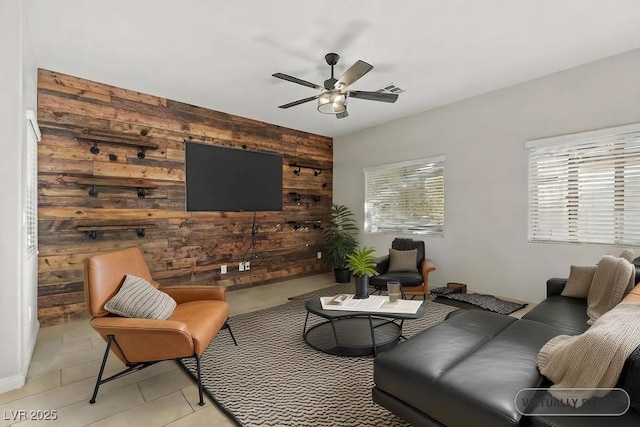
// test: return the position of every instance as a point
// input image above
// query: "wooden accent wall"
(180, 246)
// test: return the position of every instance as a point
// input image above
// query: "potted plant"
(362, 265)
(340, 234)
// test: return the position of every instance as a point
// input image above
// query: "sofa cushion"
(411, 370)
(579, 281)
(202, 328)
(447, 371)
(402, 261)
(406, 279)
(139, 298)
(564, 312)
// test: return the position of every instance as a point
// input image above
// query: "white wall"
(18, 291)
(483, 139)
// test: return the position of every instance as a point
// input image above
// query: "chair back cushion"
(105, 273)
(402, 260)
(401, 244)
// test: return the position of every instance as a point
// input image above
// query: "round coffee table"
(354, 333)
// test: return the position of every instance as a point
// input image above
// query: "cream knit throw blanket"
(594, 358)
(614, 277)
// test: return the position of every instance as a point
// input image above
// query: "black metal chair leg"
(104, 363)
(227, 326)
(201, 402)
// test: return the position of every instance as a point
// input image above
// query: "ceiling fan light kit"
(332, 102)
(334, 95)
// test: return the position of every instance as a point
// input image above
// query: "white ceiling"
(221, 54)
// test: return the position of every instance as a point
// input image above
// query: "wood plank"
(133, 171)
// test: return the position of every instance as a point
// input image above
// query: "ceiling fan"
(334, 94)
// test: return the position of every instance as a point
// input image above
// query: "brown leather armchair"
(201, 312)
(412, 282)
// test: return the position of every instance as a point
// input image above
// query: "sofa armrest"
(555, 286)
(382, 264)
(189, 293)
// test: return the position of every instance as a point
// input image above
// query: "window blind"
(585, 188)
(405, 198)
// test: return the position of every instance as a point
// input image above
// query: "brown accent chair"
(200, 313)
(412, 283)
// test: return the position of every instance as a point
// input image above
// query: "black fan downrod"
(332, 59)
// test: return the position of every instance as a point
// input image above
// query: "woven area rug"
(273, 378)
(486, 302)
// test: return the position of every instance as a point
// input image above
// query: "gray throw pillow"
(579, 282)
(403, 261)
(139, 298)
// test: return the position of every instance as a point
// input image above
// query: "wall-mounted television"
(231, 180)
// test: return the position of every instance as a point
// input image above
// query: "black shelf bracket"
(93, 192)
(94, 149)
(298, 168)
(141, 153)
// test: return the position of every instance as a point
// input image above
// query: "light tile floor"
(67, 357)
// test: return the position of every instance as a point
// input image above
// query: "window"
(585, 188)
(31, 202)
(405, 198)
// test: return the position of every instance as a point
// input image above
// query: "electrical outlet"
(241, 266)
(247, 265)
(319, 255)
(223, 269)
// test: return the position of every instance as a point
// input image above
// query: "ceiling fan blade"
(373, 96)
(357, 70)
(299, 101)
(342, 115)
(296, 80)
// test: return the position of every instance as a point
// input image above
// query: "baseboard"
(13, 382)
(32, 345)
(16, 381)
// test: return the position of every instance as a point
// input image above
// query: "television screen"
(232, 180)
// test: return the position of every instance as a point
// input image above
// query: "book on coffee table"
(339, 299)
(373, 304)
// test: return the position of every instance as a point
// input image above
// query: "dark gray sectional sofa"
(467, 370)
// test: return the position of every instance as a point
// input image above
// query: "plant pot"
(342, 275)
(362, 287)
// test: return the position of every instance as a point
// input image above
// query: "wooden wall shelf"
(297, 197)
(108, 137)
(141, 184)
(297, 225)
(92, 230)
(119, 140)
